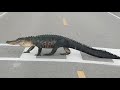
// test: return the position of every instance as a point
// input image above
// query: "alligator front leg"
(39, 52)
(52, 52)
(30, 49)
(67, 51)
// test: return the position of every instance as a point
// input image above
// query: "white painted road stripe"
(61, 60)
(113, 15)
(29, 55)
(8, 45)
(1, 15)
(73, 57)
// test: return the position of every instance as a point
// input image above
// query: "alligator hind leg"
(52, 52)
(30, 49)
(67, 51)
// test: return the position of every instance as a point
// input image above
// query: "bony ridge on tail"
(57, 41)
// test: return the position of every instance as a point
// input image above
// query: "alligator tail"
(91, 51)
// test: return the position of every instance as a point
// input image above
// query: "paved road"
(92, 28)
(96, 29)
(19, 69)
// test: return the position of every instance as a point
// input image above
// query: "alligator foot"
(64, 54)
(37, 54)
(27, 52)
(48, 54)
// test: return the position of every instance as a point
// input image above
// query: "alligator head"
(21, 41)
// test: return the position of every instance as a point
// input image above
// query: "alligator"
(57, 41)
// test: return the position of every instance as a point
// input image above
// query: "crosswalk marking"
(81, 74)
(28, 55)
(73, 57)
(8, 45)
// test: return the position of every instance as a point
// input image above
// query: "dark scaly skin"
(49, 41)
(55, 42)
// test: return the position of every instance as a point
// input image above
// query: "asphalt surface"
(19, 69)
(96, 29)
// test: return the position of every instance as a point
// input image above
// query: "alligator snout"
(8, 42)
(11, 42)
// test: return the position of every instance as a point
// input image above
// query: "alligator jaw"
(12, 42)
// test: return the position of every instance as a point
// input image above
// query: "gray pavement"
(36, 69)
(19, 69)
(96, 29)
(7, 51)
